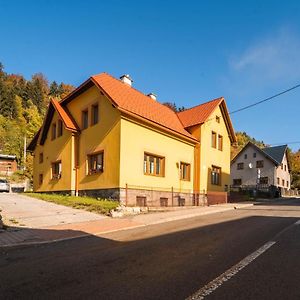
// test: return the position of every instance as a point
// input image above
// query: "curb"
(166, 220)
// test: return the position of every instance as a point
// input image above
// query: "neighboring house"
(268, 166)
(107, 139)
(8, 164)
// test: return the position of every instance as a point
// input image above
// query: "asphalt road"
(166, 261)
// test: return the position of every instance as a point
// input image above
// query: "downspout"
(76, 156)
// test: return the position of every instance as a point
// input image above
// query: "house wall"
(283, 175)
(210, 156)
(103, 136)
(249, 175)
(135, 141)
(54, 150)
(7, 166)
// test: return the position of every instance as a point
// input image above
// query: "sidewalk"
(34, 236)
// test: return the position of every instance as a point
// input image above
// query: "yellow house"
(108, 140)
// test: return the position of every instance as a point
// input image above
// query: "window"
(237, 181)
(282, 182)
(41, 157)
(40, 179)
(95, 163)
(263, 180)
(287, 184)
(240, 166)
(259, 164)
(95, 114)
(154, 165)
(56, 170)
(281, 166)
(215, 175)
(245, 156)
(213, 139)
(141, 201)
(185, 171)
(217, 119)
(284, 167)
(220, 142)
(53, 132)
(254, 154)
(278, 180)
(59, 128)
(85, 119)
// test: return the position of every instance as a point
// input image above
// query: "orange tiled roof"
(65, 116)
(198, 114)
(133, 101)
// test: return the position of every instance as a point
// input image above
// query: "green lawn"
(102, 206)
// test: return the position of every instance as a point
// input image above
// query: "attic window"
(53, 132)
(85, 119)
(217, 119)
(59, 128)
(95, 114)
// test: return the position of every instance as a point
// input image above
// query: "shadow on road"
(172, 265)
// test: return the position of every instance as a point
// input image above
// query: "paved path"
(33, 213)
(38, 222)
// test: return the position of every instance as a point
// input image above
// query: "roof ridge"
(220, 98)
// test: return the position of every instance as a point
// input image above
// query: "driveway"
(23, 211)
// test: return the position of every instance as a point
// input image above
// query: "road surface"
(173, 260)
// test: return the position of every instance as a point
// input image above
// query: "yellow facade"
(59, 149)
(124, 140)
(137, 140)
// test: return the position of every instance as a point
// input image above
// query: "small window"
(281, 166)
(215, 175)
(95, 114)
(220, 142)
(259, 164)
(185, 171)
(282, 182)
(245, 156)
(85, 119)
(240, 166)
(154, 165)
(59, 128)
(237, 181)
(56, 170)
(41, 157)
(163, 201)
(53, 133)
(287, 184)
(141, 201)
(40, 179)
(254, 154)
(278, 180)
(213, 139)
(217, 119)
(284, 167)
(95, 163)
(263, 180)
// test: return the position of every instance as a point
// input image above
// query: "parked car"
(4, 185)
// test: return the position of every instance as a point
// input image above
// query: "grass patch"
(102, 206)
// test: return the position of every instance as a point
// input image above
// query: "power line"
(265, 100)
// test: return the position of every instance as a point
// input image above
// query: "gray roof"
(277, 153)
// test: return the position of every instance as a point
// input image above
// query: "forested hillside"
(23, 104)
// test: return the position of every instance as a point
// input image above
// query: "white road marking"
(298, 222)
(217, 282)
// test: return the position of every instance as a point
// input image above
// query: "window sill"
(154, 175)
(94, 173)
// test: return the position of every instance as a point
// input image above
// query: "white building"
(268, 166)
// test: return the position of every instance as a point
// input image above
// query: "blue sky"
(186, 52)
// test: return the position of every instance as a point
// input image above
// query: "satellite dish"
(250, 165)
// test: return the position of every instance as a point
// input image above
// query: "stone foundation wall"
(153, 198)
